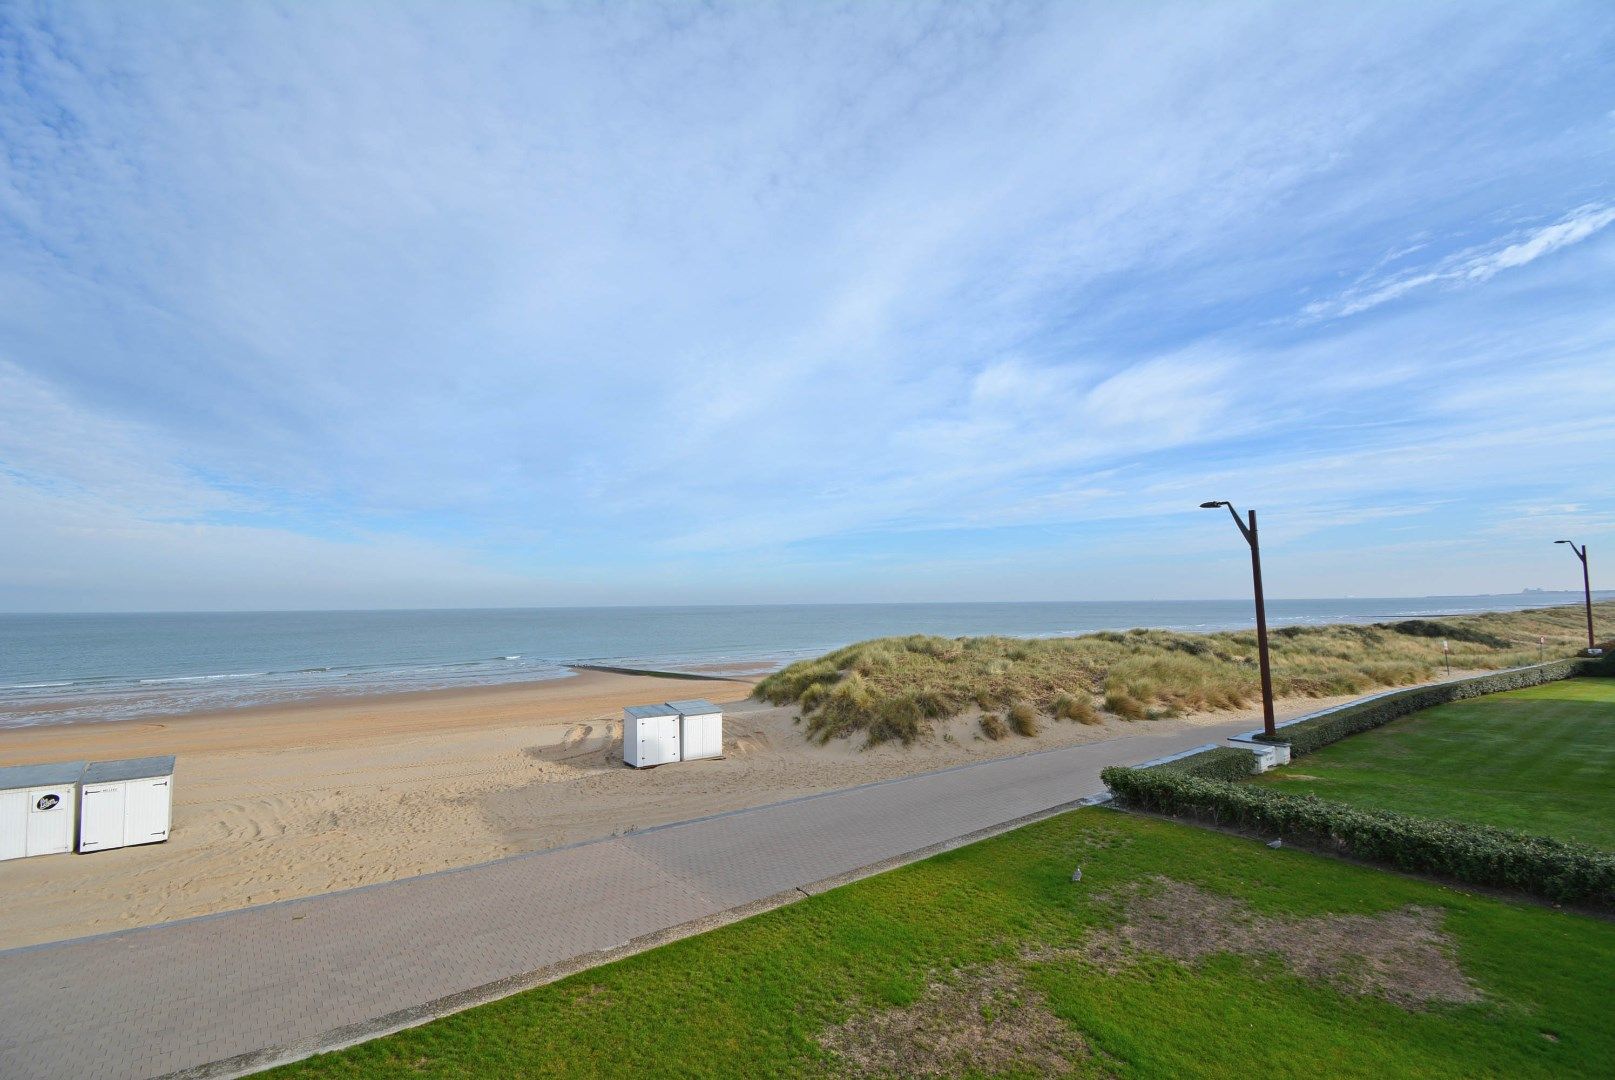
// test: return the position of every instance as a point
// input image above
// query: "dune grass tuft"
(1124, 705)
(897, 688)
(1024, 719)
(992, 726)
(1078, 707)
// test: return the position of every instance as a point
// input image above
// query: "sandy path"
(272, 803)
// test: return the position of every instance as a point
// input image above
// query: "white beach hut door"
(661, 743)
(101, 817)
(13, 824)
(145, 811)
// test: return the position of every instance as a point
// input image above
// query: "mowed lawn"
(1181, 952)
(1540, 760)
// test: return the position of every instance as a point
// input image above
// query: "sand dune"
(272, 803)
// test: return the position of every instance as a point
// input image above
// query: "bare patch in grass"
(982, 1020)
(1402, 956)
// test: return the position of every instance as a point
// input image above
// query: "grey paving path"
(224, 993)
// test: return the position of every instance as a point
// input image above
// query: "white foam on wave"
(203, 678)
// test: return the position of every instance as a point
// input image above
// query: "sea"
(75, 668)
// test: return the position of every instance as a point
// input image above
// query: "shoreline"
(323, 698)
(338, 718)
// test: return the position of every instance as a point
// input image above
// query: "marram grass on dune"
(895, 688)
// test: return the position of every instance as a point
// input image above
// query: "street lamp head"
(1211, 505)
(1572, 543)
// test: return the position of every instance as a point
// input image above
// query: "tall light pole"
(1249, 533)
(1586, 585)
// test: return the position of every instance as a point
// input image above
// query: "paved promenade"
(226, 993)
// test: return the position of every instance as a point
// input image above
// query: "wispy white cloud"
(1473, 265)
(94, 512)
(1575, 228)
(58, 446)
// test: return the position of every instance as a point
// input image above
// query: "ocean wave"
(131, 700)
(203, 678)
(360, 671)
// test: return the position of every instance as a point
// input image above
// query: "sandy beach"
(283, 801)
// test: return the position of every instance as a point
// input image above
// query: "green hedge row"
(1219, 763)
(1478, 854)
(1308, 735)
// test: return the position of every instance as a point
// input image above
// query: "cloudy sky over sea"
(358, 305)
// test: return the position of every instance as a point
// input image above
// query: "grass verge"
(1539, 760)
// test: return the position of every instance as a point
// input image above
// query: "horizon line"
(1596, 593)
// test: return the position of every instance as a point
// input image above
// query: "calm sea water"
(69, 668)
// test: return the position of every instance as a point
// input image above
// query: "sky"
(414, 305)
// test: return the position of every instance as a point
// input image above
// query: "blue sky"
(350, 305)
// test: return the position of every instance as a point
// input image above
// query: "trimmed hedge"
(1478, 854)
(1220, 763)
(1319, 731)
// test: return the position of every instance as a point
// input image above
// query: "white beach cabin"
(650, 735)
(126, 803)
(700, 728)
(38, 808)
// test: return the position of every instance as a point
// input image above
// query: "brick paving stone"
(189, 994)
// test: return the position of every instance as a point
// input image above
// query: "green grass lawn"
(992, 949)
(1540, 760)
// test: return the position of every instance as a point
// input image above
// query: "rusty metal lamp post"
(1248, 531)
(1586, 585)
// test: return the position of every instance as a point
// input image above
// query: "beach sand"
(275, 802)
